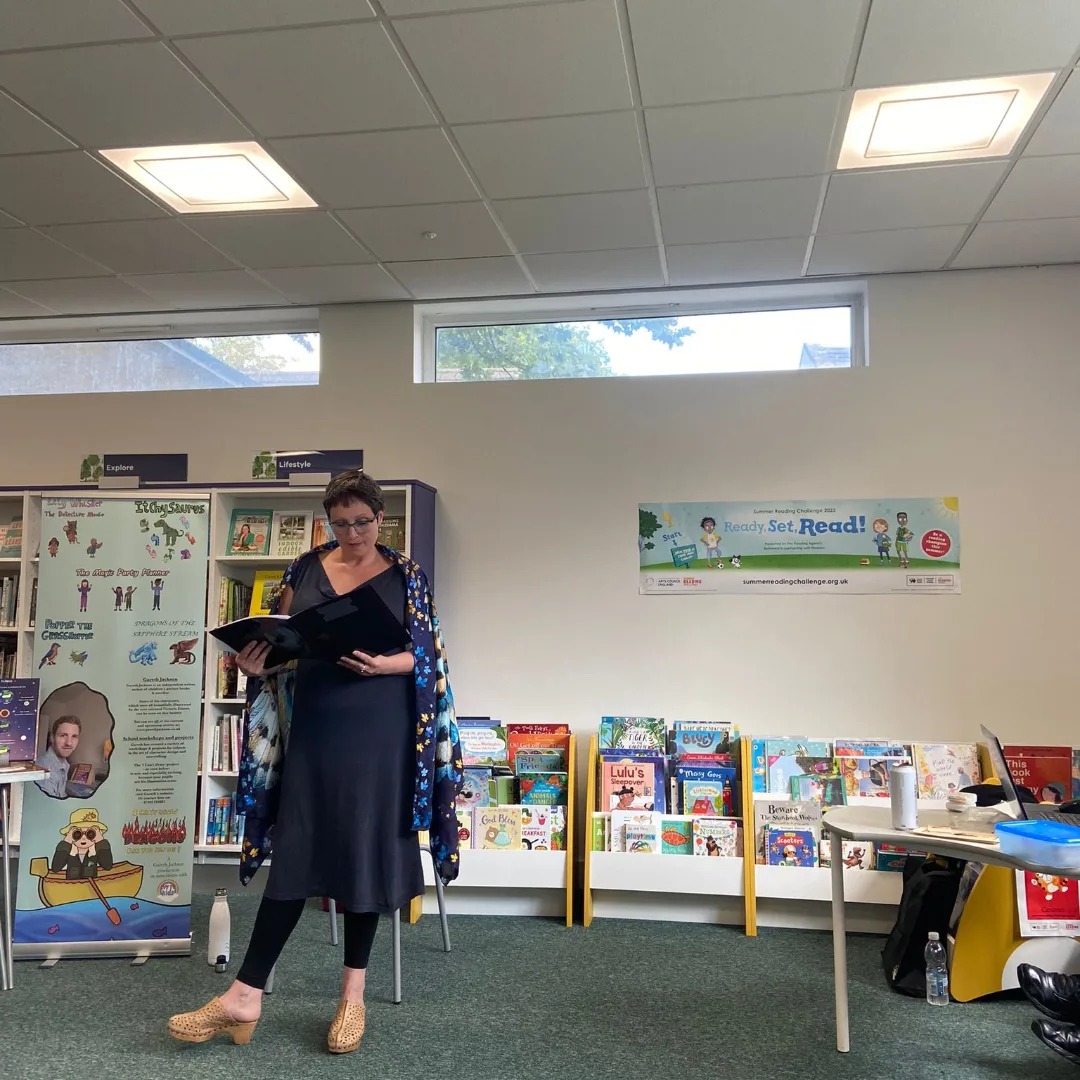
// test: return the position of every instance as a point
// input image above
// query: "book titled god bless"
(358, 620)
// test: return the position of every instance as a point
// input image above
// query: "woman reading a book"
(372, 757)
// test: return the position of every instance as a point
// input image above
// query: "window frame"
(429, 318)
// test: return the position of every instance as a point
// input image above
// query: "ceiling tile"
(908, 198)
(335, 284)
(884, 252)
(18, 307)
(395, 234)
(210, 16)
(744, 210)
(66, 22)
(141, 247)
(1059, 130)
(612, 219)
(582, 270)
(753, 260)
(462, 277)
(85, 296)
(1039, 187)
(914, 41)
(513, 63)
(21, 132)
(562, 155)
(108, 96)
(216, 289)
(305, 238)
(380, 168)
(432, 7)
(326, 78)
(742, 140)
(1020, 243)
(25, 255)
(699, 50)
(55, 189)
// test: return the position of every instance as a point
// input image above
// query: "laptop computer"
(1021, 810)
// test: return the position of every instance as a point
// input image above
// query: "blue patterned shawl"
(438, 751)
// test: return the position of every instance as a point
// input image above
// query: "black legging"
(277, 919)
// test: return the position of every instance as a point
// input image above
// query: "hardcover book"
(483, 741)
(793, 757)
(688, 737)
(620, 819)
(600, 831)
(464, 827)
(474, 788)
(290, 533)
(249, 532)
(867, 777)
(769, 814)
(536, 737)
(1046, 771)
(633, 733)
(627, 785)
(392, 531)
(497, 828)
(676, 835)
(264, 592)
(542, 788)
(542, 828)
(642, 838)
(945, 768)
(857, 854)
(716, 837)
(791, 847)
(549, 760)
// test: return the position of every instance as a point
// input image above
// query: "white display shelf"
(223, 773)
(228, 701)
(483, 869)
(685, 874)
(12, 561)
(253, 560)
(815, 883)
(221, 849)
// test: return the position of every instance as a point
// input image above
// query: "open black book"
(358, 620)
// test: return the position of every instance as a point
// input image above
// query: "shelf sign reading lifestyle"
(816, 546)
(107, 838)
(281, 464)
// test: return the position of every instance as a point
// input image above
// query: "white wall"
(972, 389)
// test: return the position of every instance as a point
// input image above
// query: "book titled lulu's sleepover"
(249, 532)
(627, 785)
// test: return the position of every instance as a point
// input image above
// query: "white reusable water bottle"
(904, 797)
(217, 940)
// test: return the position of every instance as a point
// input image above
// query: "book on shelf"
(465, 827)
(392, 531)
(633, 733)
(1046, 771)
(776, 815)
(945, 768)
(542, 788)
(9, 601)
(703, 737)
(497, 828)
(234, 599)
(676, 834)
(856, 854)
(224, 825)
(600, 831)
(264, 592)
(621, 820)
(652, 761)
(328, 631)
(1076, 773)
(483, 741)
(827, 790)
(786, 758)
(642, 837)
(543, 828)
(627, 785)
(791, 847)
(228, 732)
(321, 533)
(716, 836)
(11, 546)
(541, 760)
(536, 736)
(290, 533)
(475, 787)
(33, 602)
(512, 827)
(249, 532)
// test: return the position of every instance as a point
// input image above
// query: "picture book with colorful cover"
(600, 831)
(697, 780)
(676, 834)
(633, 733)
(648, 758)
(534, 737)
(690, 737)
(790, 847)
(717, 837)
(890, 857)
(18, 720)
(642, 839)
(620, 819)
(249, 532)
(1076, 774)
(1046, 771)
(1048, 906)
(502, 787)
(543, 828)
(827, 790)
(497, 828)
(464, 827)
(475, 790)
(857, 854)
(542, 788)
(11, 547)
(945, 768)
(867, 777)
(874, 748)
(786, 758)
(483, 741)
(773, 814)
(543, 760)
(703, 797)
(627, 785)
(265, 591)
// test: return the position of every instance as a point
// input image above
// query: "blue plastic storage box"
(1042, 841)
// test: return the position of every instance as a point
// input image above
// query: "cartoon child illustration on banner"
(904, 536)
(882, 539)
(711, 540)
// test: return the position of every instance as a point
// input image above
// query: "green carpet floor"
(521, 999)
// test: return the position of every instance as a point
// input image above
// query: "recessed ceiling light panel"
(904, 125)
(212, 177)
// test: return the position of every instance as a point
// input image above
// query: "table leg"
(7, 964)
(839, 930)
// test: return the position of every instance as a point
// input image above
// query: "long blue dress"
(344, 823)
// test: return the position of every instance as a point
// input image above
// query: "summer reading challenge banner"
(106, 844)
(822, 546)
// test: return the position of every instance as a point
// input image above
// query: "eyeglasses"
(357, 526)
(78, 834)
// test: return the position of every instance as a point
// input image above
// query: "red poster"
(1048, 906)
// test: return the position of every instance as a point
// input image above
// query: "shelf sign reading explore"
(281, 464)
(148, 468)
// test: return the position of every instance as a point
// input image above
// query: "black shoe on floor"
(1064, 1039)
(1053, 994)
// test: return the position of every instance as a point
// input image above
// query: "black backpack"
(926, 904)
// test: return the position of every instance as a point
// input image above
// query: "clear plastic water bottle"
(937, 971)
(217, 940)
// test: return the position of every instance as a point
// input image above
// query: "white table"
(7, 780)
(873, 824)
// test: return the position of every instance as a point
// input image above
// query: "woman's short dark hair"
(64, 720)
(353, 486)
